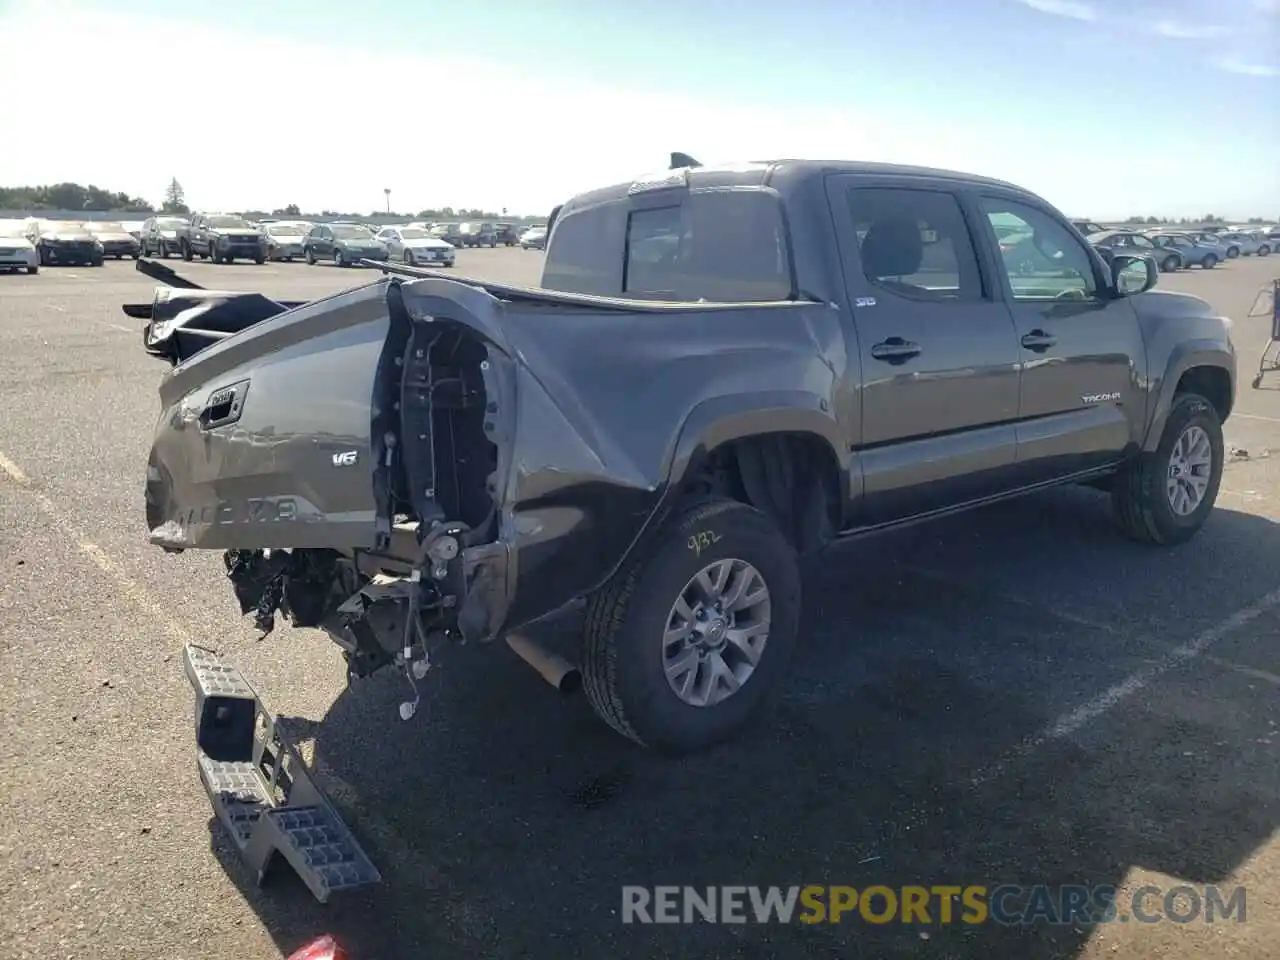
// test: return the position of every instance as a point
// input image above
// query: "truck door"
(1081, 349)
(937, 347)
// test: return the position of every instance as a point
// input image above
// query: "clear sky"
(1107, 109)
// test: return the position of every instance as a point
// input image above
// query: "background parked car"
(162, 236)
(1136, 244)
(1088, 226)
(1228, 250)
(116, 241)
(133, 228)
(62, 242)
(223, 238)
(1250, 242)
(535, 238)
(343, 243)
(1193, 254)
(16, 251)
(506, 234)
(477, 234)
(414, 245)
(284, 238)
(447, 231)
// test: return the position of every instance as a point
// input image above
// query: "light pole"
(387, 191)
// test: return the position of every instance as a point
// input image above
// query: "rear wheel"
(310, 256)
(1263, 250)
(339, 259)
(1233, 252)
(408, 257)
(33, 269)
(1209, 262)
(187, 253)
(1165, 496)
(691, 639)
(1169, 265)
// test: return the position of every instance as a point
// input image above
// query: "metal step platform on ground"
(260, 788)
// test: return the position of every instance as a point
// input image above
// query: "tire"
(338, 259)
(42, 255)
(96, 262)
(1233, 252)
(1263, 250)
(118, 256)
(623, 671)
(259, 259)
(1139, 496)
(1170, 265)
(408, 257)
(187, 253)
(310, 256)
(1209, 262)
(33, 270)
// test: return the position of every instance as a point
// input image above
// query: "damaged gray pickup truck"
(724, 370)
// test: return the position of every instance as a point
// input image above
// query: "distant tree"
(289, 211)
(1136, 220)
(1210, 218)
(1154, 220)
(175, 200)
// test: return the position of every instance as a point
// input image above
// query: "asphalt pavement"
(1014, 696)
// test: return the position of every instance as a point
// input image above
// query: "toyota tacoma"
(724, 370)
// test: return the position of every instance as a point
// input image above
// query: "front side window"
(718, 245)
(915, 243)
(1050, 262)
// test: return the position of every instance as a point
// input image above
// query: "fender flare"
(1185, 356)
(719, 420)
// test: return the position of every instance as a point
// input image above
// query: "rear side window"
(721, 246)
(582, 254)
(915, 244)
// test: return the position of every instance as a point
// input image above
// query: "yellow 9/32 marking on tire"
(702, 540)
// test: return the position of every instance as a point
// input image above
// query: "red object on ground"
(324, 948)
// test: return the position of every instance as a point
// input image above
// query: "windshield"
(351, 231)
(284, 230)
(105, 227)
(414, 233)
(170, 223)
(233, 223)
(440, 229)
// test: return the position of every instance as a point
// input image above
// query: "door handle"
(1039, 341)
(895, 350)
(224, 406)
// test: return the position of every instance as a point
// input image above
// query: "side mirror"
(1133, 275)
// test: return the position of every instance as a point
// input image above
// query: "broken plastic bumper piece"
(260, 788)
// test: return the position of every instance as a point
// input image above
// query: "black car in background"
(115, 238)
(346, 244)
(506, 234)
(162, 236)
(63, 242)
(448, 231)
(477, 234)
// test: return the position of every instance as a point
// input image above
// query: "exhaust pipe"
(552, 667)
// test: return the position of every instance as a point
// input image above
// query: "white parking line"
(1256, 416)
(1072, 721)
(13, 471)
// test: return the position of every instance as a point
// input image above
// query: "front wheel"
(33, 270)
(1233, 252)
(1209, 262)
(338, 259)
(187, 253)
(1165, 496)
(1170, 265)
(310, 256)
(1263, 250)
(409, 258)
(691, 639)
